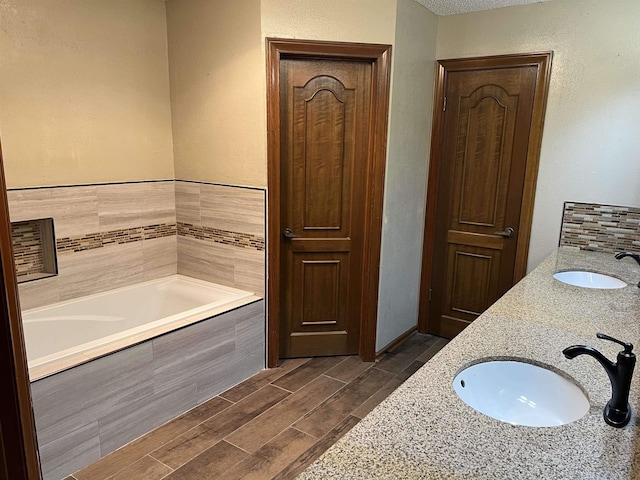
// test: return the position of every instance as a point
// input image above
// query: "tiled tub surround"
(600, 228)
(116, 235)
(423, 430)
(86, 412)
(221, 234)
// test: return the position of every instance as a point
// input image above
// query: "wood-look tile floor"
(271, 426)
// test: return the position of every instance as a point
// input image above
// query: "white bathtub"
(66, 334)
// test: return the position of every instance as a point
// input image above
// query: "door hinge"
(444, 104)
(429, 294)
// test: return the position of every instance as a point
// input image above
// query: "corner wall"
(591, 141)
(84, 92)
(406, 173)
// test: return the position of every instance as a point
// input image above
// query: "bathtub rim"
(58, 362)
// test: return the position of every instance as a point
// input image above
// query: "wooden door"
(486, 133)
(325, 110)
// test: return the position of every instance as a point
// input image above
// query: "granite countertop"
(423, 430)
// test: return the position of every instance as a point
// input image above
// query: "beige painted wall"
(406, 174)
(84, 91)
(367, 21)
(217, 91)
(591, 143)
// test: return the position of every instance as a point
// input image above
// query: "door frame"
(540, 60)
(18, 445)
(380, 58)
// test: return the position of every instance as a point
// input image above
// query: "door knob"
(288, 233)
(506, 233)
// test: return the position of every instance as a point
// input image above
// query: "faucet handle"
(628, 347)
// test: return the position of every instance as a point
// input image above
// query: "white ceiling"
(452, 7)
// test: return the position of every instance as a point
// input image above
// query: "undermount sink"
(521, 393)
(589, 279)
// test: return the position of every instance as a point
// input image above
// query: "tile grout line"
(238, 446)
(281, 388)
(162, 463)
(305, 433)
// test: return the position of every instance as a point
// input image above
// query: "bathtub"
(69, 333)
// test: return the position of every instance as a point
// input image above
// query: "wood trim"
(401, 339)
(17, 426)
(432, 197)
(380, 58)
(543, 62)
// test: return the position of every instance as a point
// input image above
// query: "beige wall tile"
(232, 208)
(29, 204)
(93, 271)
(249, 270)
(39, 293)
(75, 210)
(160, 257)
(136, 204)
(206, 260)
(188, 202)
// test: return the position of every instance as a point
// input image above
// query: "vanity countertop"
(424, 431)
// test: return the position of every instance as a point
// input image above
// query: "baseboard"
(396, 342)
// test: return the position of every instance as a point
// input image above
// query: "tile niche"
(34, 249)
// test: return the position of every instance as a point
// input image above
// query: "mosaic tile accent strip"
(226, 237)
(27, 248)
(600, 228)
(128, 235)
(115, 237)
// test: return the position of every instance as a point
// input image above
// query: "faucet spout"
(575, 350)
(617, 412)
(621, 255)
(635, 256)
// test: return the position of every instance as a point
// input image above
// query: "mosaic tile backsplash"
(600, 228)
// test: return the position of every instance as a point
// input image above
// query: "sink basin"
(589, 279)
(521, 394)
